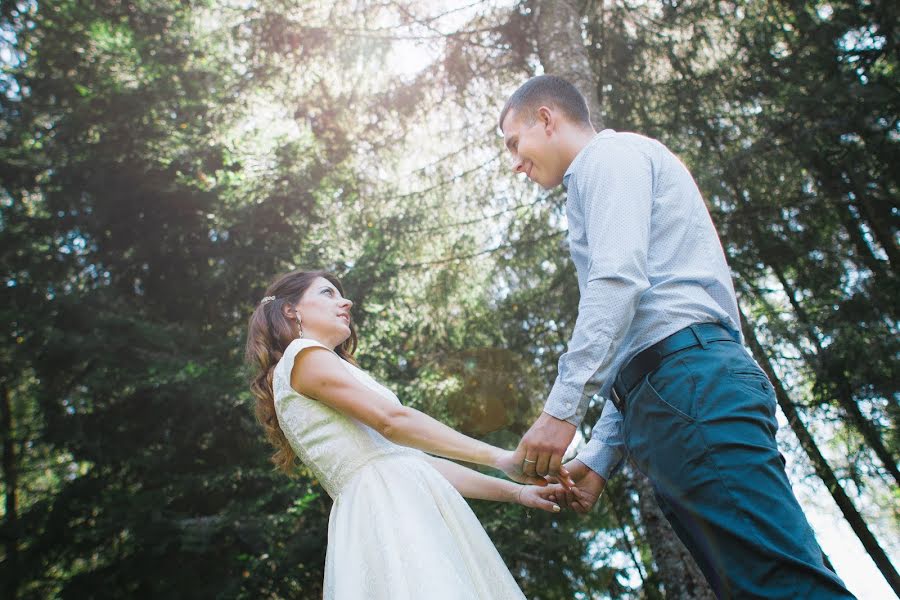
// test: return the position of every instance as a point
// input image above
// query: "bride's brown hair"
(269, 333)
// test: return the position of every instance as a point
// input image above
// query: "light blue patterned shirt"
(649, 263)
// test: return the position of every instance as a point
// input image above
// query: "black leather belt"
(646, 361)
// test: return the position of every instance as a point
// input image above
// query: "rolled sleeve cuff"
(601, 458)
(566, 403)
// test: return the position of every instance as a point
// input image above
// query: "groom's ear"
(548, 118)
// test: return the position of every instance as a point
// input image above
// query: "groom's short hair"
(549, 90)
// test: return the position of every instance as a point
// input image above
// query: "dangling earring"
(299, 327)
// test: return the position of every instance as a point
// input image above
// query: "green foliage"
(163, 161)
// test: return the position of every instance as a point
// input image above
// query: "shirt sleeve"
(612, 187)
(604, 452)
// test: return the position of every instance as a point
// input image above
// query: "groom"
(657, 334)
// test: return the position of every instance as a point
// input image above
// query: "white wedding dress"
(398, 530)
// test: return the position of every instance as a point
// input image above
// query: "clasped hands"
(538, 461)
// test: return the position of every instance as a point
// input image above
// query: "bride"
(399, 527)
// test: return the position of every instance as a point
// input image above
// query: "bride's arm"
(472, 484)
(320, 374)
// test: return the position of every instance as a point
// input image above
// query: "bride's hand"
(543, 498)
(505, 461)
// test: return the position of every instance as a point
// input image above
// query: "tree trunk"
(681, 576)
(878, 222)
(853, 228)
(560, 46)
(821, 466)
(10, 586)
(563, 53)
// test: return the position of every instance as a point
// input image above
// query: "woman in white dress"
(399, 527)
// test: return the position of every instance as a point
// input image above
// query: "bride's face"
(324, 313)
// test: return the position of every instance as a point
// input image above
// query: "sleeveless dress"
(398, 530)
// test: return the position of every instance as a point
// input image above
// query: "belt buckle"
(617, 400)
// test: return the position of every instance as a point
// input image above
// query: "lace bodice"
(332, 445)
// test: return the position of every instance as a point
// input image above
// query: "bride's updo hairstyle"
(268, 336)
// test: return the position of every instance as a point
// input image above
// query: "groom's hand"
(588, 487)
(541, 450)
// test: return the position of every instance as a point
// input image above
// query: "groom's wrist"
(603, 459)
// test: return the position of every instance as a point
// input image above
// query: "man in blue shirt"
(658, 334)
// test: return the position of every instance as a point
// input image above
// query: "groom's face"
(530, 139)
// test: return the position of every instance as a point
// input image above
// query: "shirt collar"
(579, 157)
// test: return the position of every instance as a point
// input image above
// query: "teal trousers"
(702, 428)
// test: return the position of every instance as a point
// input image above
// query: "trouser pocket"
(662, 436)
